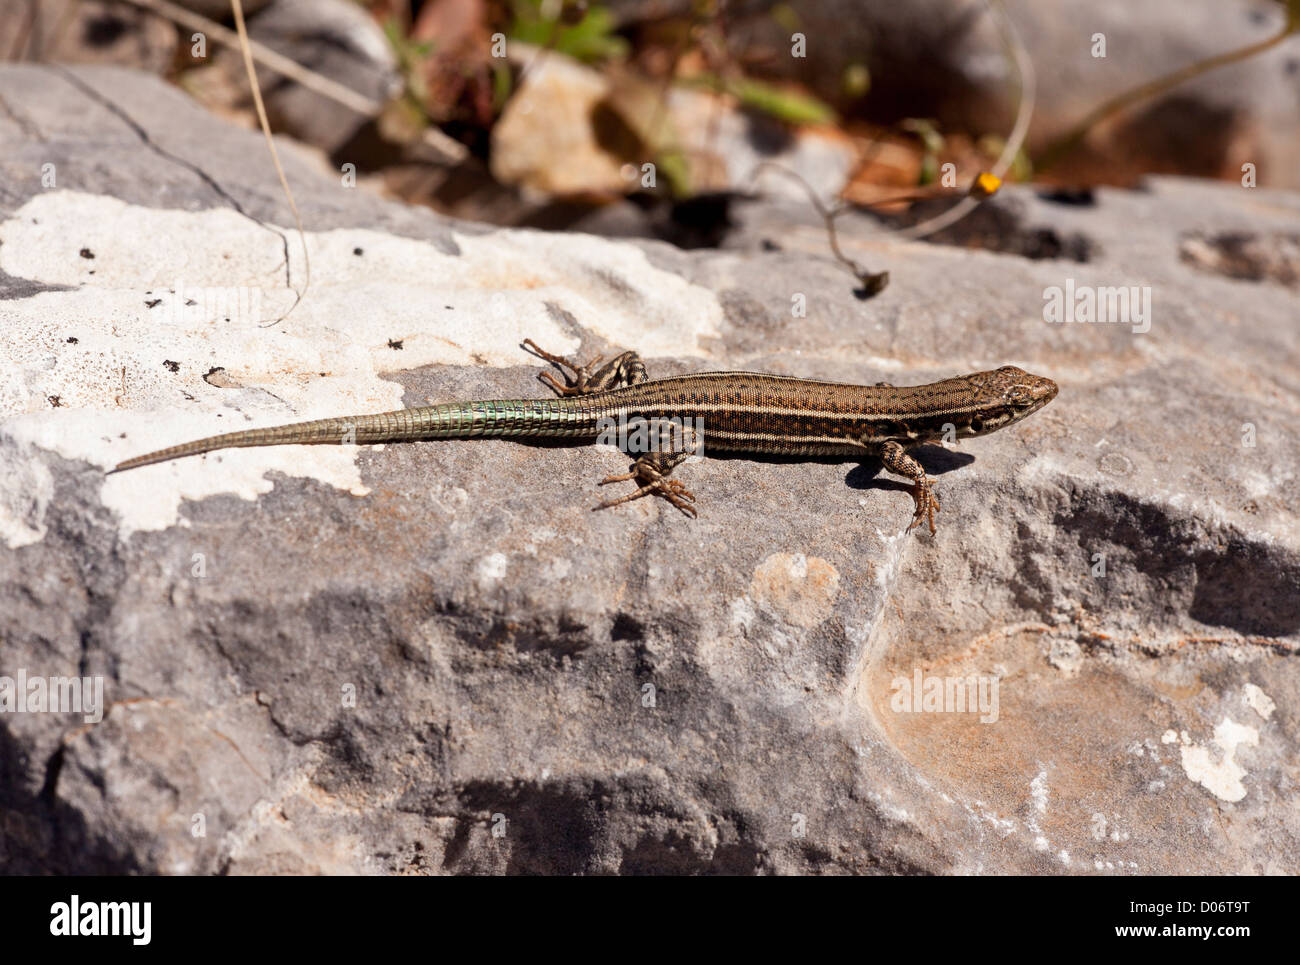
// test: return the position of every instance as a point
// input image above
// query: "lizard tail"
(457, 420)
(319, 432)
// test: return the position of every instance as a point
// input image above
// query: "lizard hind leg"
(651, 471)
(896, 460)
(625, 369)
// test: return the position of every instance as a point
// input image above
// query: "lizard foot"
(582, 374)
(626, 369)
(927, 503)
(652, 482)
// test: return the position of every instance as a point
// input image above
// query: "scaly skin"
(723, 412)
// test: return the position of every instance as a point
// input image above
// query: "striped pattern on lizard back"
(747, 412)
(724, 412)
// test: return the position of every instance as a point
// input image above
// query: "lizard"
(724, 413)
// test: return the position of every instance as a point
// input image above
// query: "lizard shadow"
(934, 459)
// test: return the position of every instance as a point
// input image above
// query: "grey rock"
(434, 658)
(86, 32)
(334, 38)
(220, 10)
(944, 59)
(571, 130)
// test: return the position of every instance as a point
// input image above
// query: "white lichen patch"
(1039, 792)
(156, 300)
(1258, 701)
(1217, 770)
(491, 570)
(609, 287)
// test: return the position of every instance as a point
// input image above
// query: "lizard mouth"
(1038, 391)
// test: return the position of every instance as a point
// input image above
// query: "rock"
(435, 658)
(1255, 257)
(943, 59)
(546, 138)
(734, 150)
(334, 38)
(220, 10)
(86, 32)
(572, 131)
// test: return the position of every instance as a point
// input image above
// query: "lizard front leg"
(896, 460)
(625, 369)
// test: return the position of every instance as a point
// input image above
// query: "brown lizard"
(713, 413)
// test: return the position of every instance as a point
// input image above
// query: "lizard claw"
(927, 504)
(678, 489)
(670, 489)
(678, 495)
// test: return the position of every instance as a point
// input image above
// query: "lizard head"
(1005, 396)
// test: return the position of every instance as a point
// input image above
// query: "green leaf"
(589, 40)
(672, 165)
(785, 105)
(502, 85)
